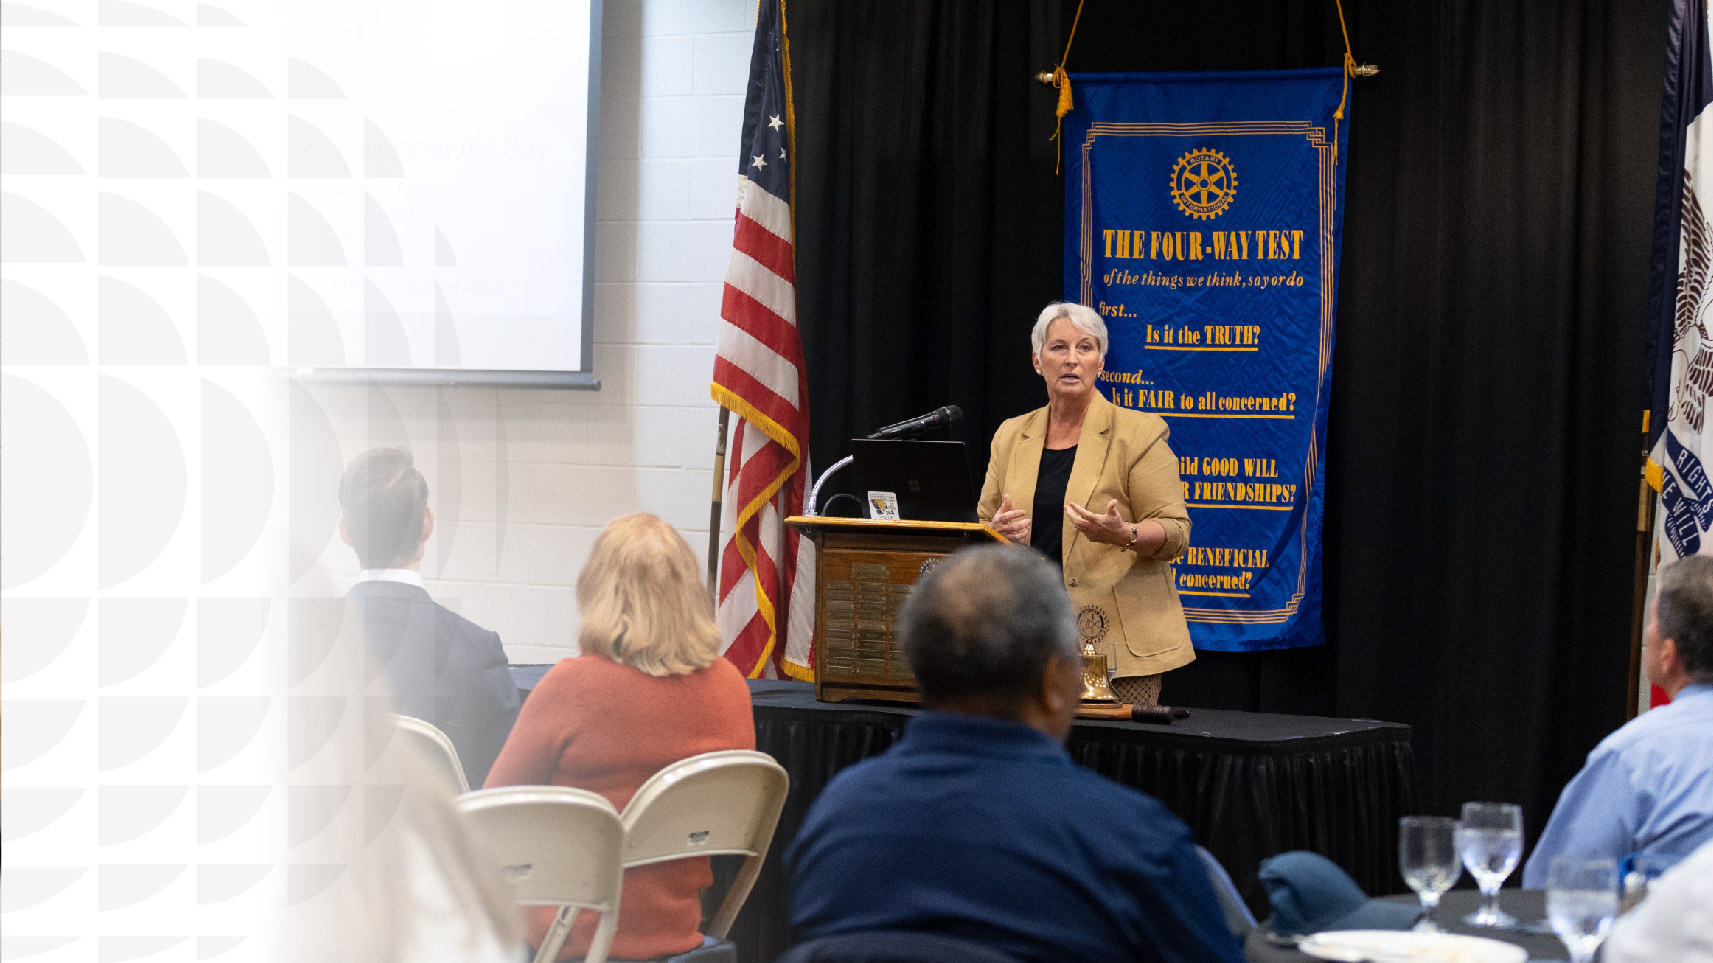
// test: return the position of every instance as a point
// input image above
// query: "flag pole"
(718, 504)
(1639, 586)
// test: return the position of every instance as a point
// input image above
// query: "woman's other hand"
(1011, 523)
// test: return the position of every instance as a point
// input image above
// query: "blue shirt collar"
(978, 735)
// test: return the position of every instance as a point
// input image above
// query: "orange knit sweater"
(594, 724)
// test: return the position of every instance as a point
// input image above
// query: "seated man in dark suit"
(443, 668)
(977, 824)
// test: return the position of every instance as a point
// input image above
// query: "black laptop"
(930, 480)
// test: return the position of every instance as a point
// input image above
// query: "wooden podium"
(863, 573)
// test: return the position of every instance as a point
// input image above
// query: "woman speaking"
(1095, 488)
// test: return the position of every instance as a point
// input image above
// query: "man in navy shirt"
(977, 824)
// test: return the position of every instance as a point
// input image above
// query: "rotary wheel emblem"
(928, 566)
(1203, 184)
(1091, 624)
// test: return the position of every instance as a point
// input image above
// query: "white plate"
(1391, 946)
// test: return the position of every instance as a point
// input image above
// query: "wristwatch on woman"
(1131, 545)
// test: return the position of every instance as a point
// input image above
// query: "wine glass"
(1491, 840)
(1427, 856)
(1581, 900)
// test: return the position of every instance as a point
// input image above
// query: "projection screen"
(440, 217)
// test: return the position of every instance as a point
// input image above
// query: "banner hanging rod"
(1045, 77)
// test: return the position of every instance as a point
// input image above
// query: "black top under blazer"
(443, 668)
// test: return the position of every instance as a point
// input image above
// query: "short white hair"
(1081, 315)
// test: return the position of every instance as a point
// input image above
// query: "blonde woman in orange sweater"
(648, 690)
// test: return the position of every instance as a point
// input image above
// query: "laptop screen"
(926, 481)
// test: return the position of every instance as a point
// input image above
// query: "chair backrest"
(714, 804)
(436, 748)
(558, 847)
(1238, 919)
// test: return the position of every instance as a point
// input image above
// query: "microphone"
(911, 427)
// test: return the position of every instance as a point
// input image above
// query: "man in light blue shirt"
(1648, 788)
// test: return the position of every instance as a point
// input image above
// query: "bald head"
(982, 627)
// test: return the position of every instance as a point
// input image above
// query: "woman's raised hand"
(1108, 528)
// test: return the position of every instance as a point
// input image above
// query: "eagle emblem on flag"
(1691, 337)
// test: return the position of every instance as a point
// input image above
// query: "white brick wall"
(537, 473)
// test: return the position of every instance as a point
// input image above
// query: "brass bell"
(1095, 688)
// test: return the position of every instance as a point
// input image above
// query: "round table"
(1527, 905)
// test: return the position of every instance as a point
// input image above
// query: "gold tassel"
(1349, 71)
(1062, 81)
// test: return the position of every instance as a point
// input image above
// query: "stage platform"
(1248, 784)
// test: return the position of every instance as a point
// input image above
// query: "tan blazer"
(1120, 597)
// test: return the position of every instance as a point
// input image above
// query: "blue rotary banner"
(1202, 220)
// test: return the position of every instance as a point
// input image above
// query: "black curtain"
(927, 211)
(1487, 385)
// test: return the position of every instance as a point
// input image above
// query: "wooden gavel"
(1159, 715)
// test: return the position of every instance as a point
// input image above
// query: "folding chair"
(436, 748)
(1238, 919)
(716, 804)
(558, 847)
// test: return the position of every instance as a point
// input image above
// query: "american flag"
(758, 375)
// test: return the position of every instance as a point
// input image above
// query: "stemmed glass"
(1491, 839)
(1427, 856)
(1581, 900)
